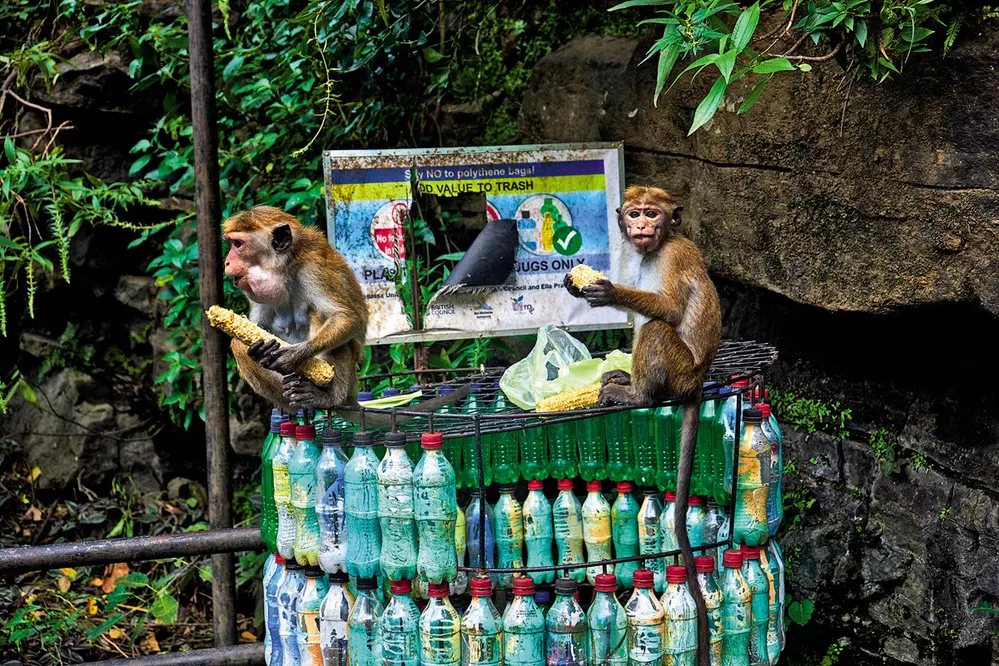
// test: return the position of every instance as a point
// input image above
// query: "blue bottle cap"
(363, 396)
(389, 392)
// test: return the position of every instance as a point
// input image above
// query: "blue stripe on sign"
(469, 172)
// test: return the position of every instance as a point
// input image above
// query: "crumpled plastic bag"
(557, 363)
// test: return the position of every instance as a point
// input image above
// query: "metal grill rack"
(735, 360)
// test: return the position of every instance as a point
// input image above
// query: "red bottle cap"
(482, 586)
(732, 559)
(279, 559)
(403, 586)
(594, 485)
(694, 500)
(288, 429)
(535, 485)
(305, 432)
(523, 585)
(750, 552)
(676, 574)
(605, 583)
(431, 440)
(643, 578)
(670, 497)
(624, 486)
(742, 383)
(766, 394)
(704, 563)
(765, 408)
(565, 484)
(438, 589)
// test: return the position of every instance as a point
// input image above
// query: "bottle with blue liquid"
(288, 595)
(476, 504)
(329, 502)
(395, 510)
(364, 535)
(273, 577)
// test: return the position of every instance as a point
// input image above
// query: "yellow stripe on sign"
(450, 188)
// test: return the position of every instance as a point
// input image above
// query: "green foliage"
(945, 512)
(812, 415)
(891, 455)
(871, 38)
(800, 612)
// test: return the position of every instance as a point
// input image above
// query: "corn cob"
(577, 398)
(583, 276)
(239, 327)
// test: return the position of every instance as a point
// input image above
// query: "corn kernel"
(577, 398)
(583, 276)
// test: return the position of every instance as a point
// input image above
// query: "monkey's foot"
(614, 394)
(300, 393)
(619, 377)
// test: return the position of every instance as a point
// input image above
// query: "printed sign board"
(562, 200)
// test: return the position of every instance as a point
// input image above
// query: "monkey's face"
(255, 261)
(646, 226)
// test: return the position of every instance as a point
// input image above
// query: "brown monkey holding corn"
(677, 333)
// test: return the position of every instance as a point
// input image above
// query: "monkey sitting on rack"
(677, 333)
(302, 291)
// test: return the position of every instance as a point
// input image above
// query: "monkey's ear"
(281, 238)
(676, 214)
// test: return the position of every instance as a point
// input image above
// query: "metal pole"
(249, 654)
(209, 213)
(136, 549)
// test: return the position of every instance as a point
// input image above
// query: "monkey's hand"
(601, 292)
(300, 393)
(272, 356)
(571, 287)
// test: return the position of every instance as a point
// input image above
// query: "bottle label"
(736, 617)
(282, 484)
(400, 647)
(444, 648)
(524, 648)
(645, 642)
(482, 648)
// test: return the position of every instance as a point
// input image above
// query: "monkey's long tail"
(688, 442)
(374, 419)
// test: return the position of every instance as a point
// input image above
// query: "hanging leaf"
(706, 109)
(750, 100)
(726, 64)
(773, 65)
(667, 58)
(745, 27)
(801, 611)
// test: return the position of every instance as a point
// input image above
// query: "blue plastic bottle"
(737, 612)
(395, 510)
(364, 536)
(472, 524)
(273, 577)
(608, 625)
(775, 507)
(696, 515)
(330, 510)
(288, 595)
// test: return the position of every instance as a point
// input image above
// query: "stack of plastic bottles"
(367, 549)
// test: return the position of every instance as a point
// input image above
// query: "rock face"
(850, 197)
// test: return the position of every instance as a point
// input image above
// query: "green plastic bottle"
(644, 438)
(665, 429)
(592, 449)
(268, 509)
(451, 448)
(534, 454)
(562, 449)
(703, 482)
(468, 473)
(620, 451)
(504, 446)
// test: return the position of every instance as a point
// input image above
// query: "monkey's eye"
(634, 214)
(652, 213)
(236, 243)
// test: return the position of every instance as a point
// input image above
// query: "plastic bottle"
(310, 651)
(364, 641)
(643, 437)
(395, 510)
(680, 647)
(481, 627)
(620, 451)
(711, 591)
(758, 583)
(775, 508)
(330, 510)
(723, 536)
(364, 535)
(775, 565)
(665, 429)
(302, 474)
(771, 572)
(649, 543)
(450, 447)
(566, 628)
(505, 446)
(562, 449)
(592, 449)
(469, 471)
(440, 628)
(288, 595)
(523, 627)
(624, 523)
(729, 435)
(508, 527)
(436, 512)
(534, 454)
(667, 526)
(400, 627)
(333, 614)
(737, 612)
(749, 523)
(273, 576)
(538, 529)
(596, 530)
(702, 480)
(568, 529)
(608, 645)
(714, 518)
(268, 509)
(696, 515)
(646, 626)
(285, 540)
(472, 524)
(460, 583)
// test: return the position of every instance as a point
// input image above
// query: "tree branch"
(822, 58)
